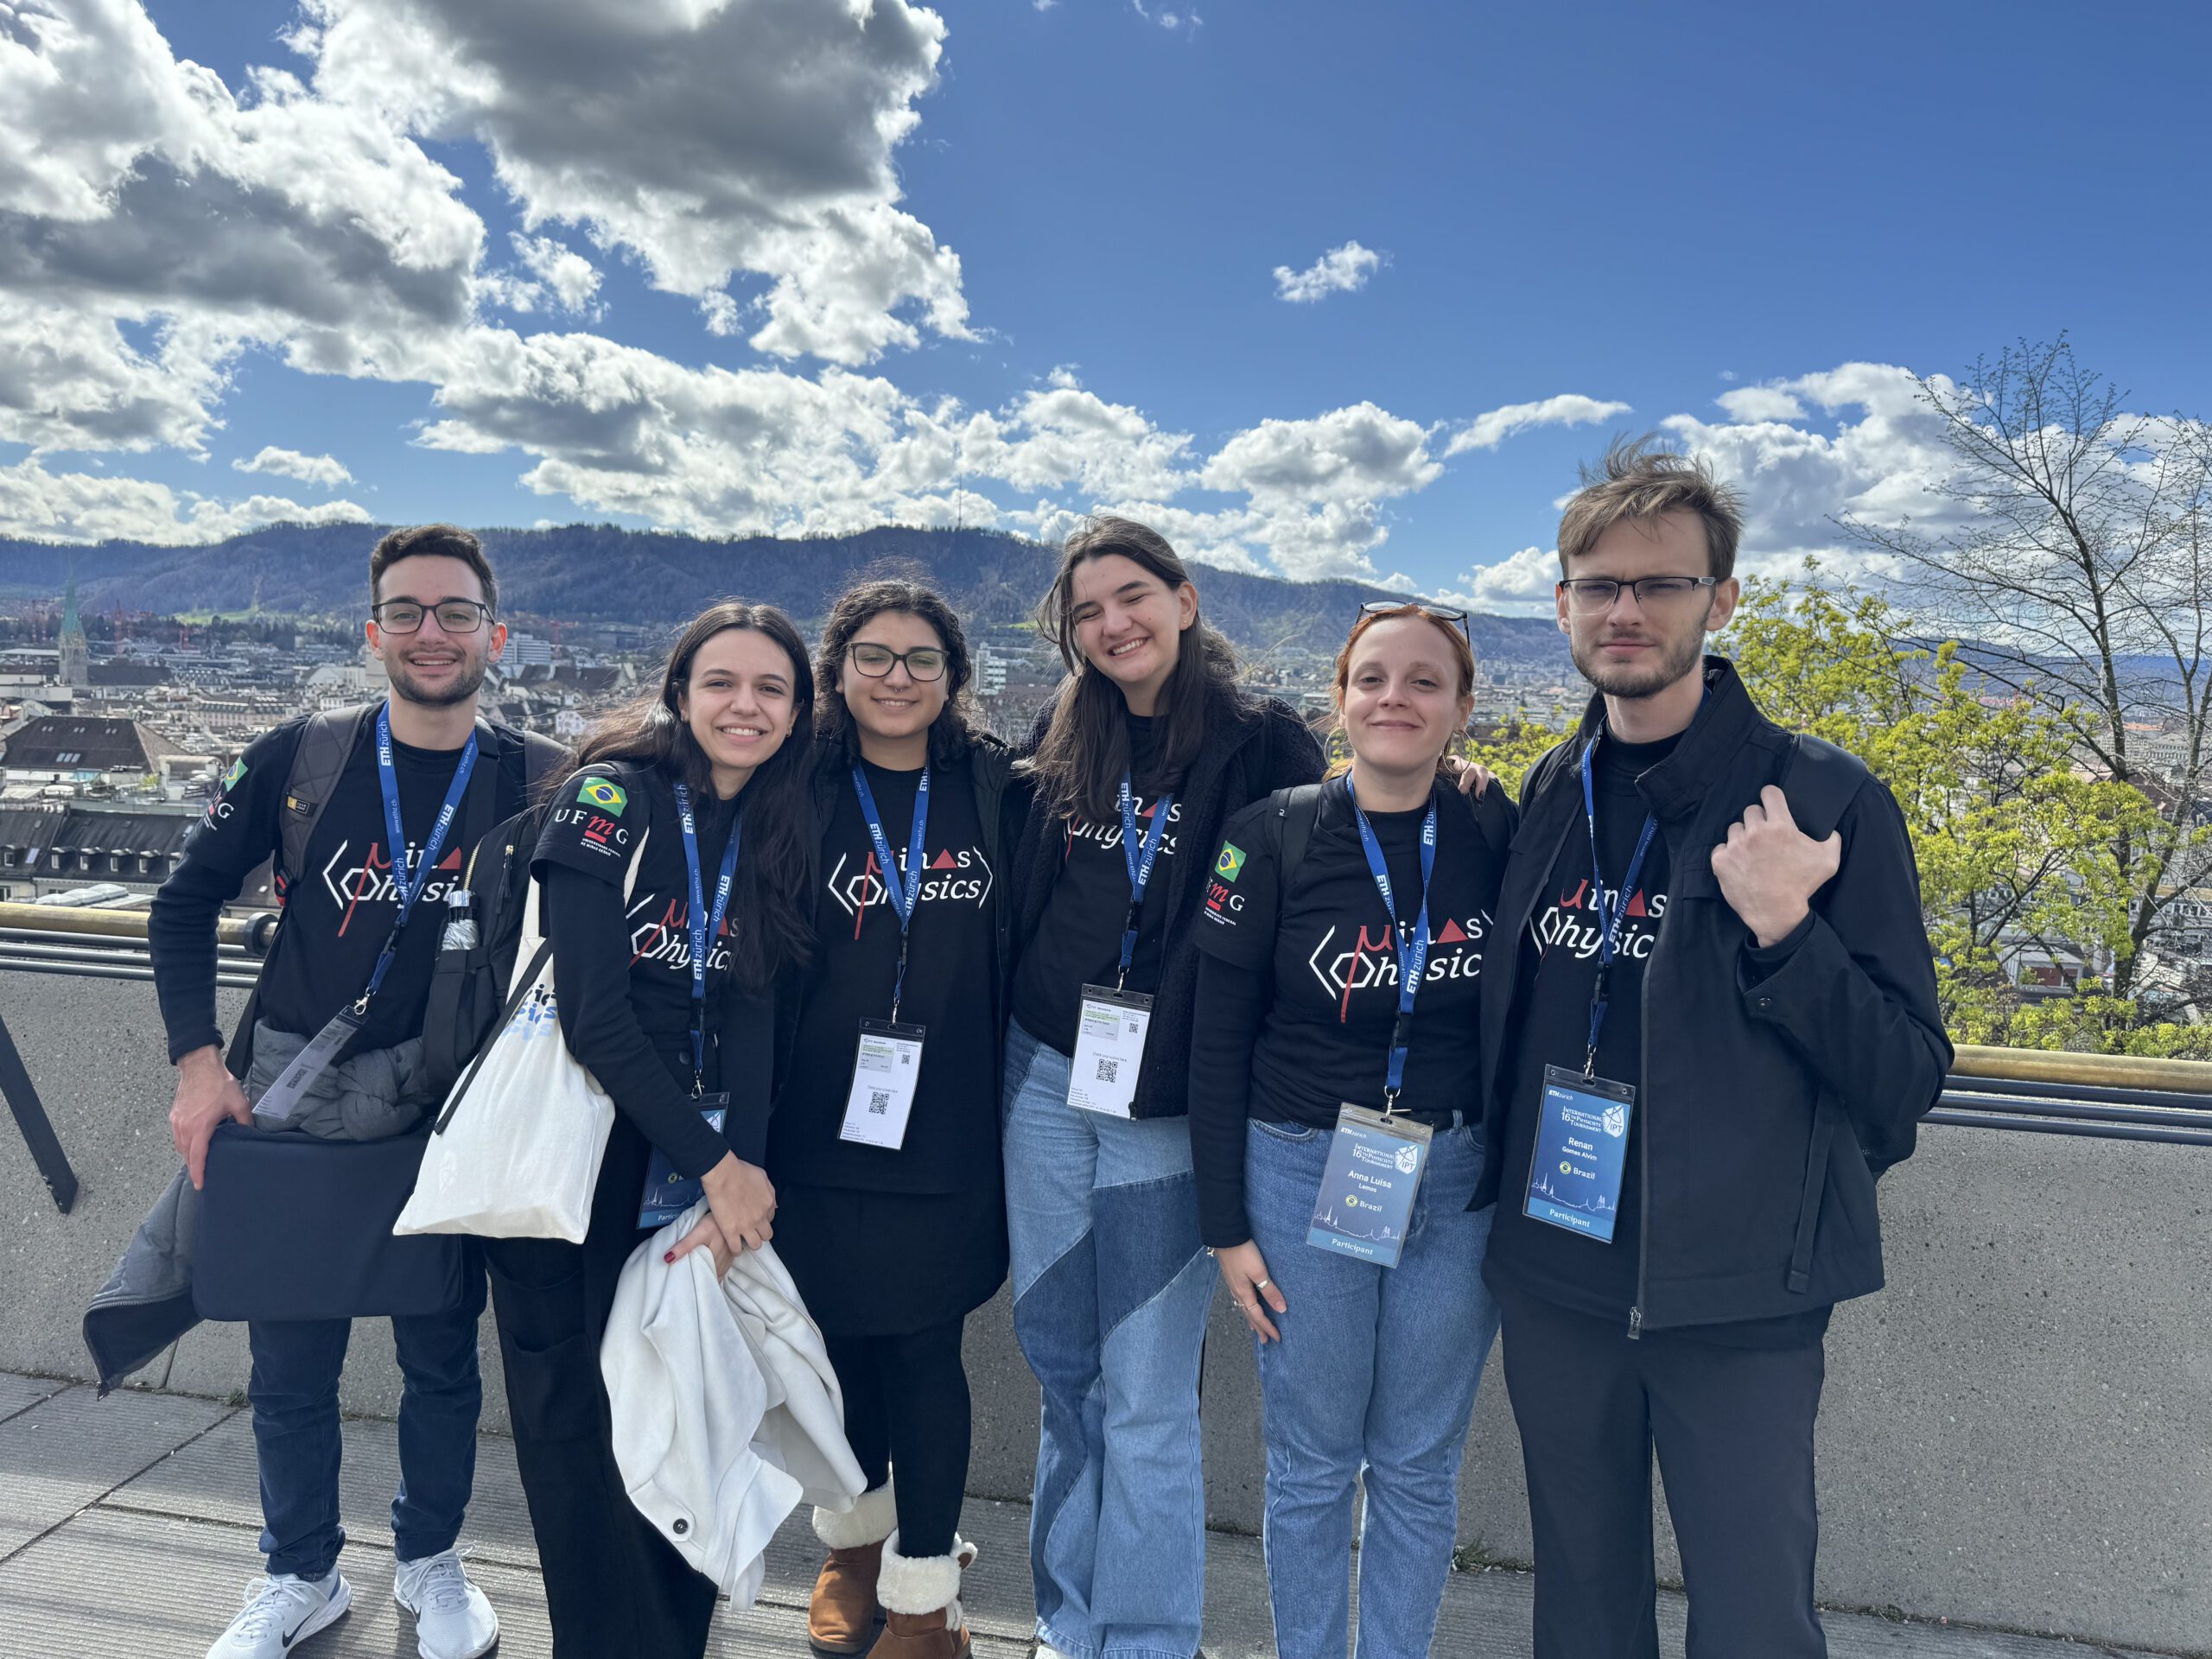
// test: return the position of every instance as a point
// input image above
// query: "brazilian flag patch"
(1230, 861)
(604, 793)
(231, 778)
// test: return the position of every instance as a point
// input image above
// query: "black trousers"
(613, 1584)
(906, 1403)
(1733, 1428)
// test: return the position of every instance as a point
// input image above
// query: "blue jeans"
(1110, 1294)
(1377, 1372)
(293, 1389)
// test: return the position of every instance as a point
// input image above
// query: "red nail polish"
(671, 1256)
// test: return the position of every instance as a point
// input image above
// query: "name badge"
(1574, 1177)
(886, 1068)
(1109, 1050)
(1367, 1190)
(282, 1099)
(667, 1194)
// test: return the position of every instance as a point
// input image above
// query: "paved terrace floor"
(128, 1526)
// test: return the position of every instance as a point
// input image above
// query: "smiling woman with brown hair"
(1148, 748)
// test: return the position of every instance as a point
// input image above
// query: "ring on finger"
(1261, 1284)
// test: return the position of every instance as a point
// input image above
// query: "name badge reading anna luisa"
(886, 1068)
(1367, 1189)
(1574, 1177)
(1109, 1050)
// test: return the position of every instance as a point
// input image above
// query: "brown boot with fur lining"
(842, 1613)
(922, 1615)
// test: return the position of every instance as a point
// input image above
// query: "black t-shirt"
(339, 909)
(1078, 938)
(591, 829)
(1552, 1028)
(1326, 1037)
(952, 1142)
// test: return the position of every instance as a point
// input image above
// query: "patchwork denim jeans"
(1110, 1294)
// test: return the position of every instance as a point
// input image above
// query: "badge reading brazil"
(1367, 1190)
(1574, 1178)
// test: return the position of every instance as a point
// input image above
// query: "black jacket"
(1769, 1104)
(1251, 749)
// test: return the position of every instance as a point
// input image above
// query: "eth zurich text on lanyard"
(1582, 1119)
(706, 926)
(887, 1061)
(1113, 1020)
(407, 884)
(1377, 1158)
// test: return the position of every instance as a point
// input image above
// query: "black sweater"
(1251, 749)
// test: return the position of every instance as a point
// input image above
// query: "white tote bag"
(517, 1151)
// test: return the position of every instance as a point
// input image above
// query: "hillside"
(602, 573)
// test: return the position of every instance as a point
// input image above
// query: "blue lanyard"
(1413, 957)
(903, 897)
(1609, 911)
(1140, 868)
(407, 884)
(705, 928)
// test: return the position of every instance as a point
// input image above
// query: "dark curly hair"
(956, 729)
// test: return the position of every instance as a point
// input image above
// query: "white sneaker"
(281, 1611)
(452, 1620)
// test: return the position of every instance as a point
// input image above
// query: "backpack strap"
(326, 743)
(1820, 780)
(1298, 811)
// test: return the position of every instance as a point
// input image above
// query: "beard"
(1677, 657)
(465, 685)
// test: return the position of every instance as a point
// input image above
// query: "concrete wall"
(2018, 1432)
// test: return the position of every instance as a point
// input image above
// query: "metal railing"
(112, 943)
(2114, 1097)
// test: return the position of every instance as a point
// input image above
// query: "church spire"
(75, 667)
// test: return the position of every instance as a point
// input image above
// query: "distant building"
(76, 662)
(54, 849)
(526, 651)
(93, 749)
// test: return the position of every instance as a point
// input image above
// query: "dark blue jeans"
(296, 1432)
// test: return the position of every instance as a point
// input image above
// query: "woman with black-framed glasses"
(884, 1147)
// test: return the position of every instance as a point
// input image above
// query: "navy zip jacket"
(1251, 749)
(1770, 1098)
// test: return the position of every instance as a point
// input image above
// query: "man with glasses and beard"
(1719, 1029)
(391, 799)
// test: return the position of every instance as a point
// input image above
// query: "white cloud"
(1343, 269)
(1769, 403)
(326, 471)
(572, 278)
(1519, 585)
(81, 507)
(1492, 428)
(717, 142)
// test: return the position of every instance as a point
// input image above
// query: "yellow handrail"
(249, 932)
(2096, 1070)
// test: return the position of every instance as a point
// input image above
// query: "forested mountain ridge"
(604, 573)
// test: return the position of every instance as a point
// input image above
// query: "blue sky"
(1028, 260)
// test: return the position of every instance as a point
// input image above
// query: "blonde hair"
(1639, 480)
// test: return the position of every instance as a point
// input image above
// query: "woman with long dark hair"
(884, 1142)
(1339, 1138)
(1147, 749)
(667, 996)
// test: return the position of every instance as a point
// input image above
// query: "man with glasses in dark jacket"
(1719, 1028)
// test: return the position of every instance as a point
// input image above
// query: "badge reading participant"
(1574, 1178)
(1374, 1167)
(667, 1194)
(886, 1070)
(1109, 1037)
(1581, 1151)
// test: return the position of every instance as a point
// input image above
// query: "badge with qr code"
(887, 1066)
(1109, 1035)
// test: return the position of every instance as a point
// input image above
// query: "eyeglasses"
(1589, 595)
(1399, 607)
(923, 662)
(454, 616)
